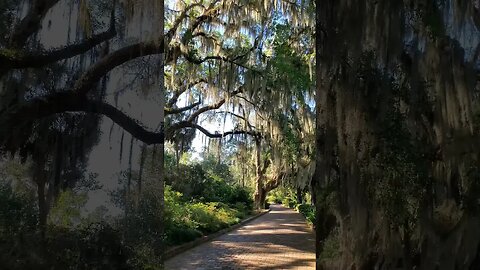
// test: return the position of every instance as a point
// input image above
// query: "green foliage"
(397, 176)
(207, 181)
(283, 195)
(143, 219)
(276, 196)
(331, 246)
(289, 202)
(179, 228)
(69, 242)
(308, 211)
(212, 217)
(66, 212)
(200, 198)
(18, 211)
(287, 66)
(186, 221)
(292, 143)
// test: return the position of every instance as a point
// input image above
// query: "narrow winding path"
(279, 239)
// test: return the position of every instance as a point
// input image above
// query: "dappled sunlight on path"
(277, 240)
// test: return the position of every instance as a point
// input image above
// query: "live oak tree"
(209, 56)
(397, 134)
(217, 67)
(53, 95)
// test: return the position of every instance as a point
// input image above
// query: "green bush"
(289, 202)
(97, 246)
(241, 195)
(276, 196)
(284, 195)
(185, 221)
(207, 181)
(179, 227)
(242, 209)
(331, 246)
(308, 211)
(212, 217)
(18, 211)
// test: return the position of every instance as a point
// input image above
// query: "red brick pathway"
(278, 240)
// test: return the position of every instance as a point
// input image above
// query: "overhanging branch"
(185, 124)
(180, 110)
(182, 90)
(72, 102)
(13, 60)
(115, 59)
(31, 22)
(212, 106)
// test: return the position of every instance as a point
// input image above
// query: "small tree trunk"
(299, 196)
(40, 179)
(140, 173)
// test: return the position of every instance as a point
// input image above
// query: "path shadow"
(277, 240)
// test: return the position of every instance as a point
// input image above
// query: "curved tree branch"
(182, 90)
(186, 124)
(39, 59)
(212, 106)
(180, 110)
(115, 59)
(31, 22)
(171, 32)
(72, 102)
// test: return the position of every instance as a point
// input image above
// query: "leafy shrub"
(331, 246)
(97, 246)
(179, 227)
(212, 217)
(308, 211)
(276, 196)
(289, 202)
(207, 181)
(242, 209)
(283, 195)
(18, 211)
(66, 211)
(185, 221)
(241, 195)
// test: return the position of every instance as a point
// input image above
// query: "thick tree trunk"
(397, 140)
(260, 198)
(161, 175)
(259, 195)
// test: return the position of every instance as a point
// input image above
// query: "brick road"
(279, 239)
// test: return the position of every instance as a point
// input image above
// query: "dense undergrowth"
(200, 200)
(187, 220)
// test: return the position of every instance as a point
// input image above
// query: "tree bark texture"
(397, 134)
